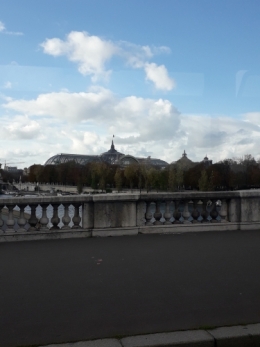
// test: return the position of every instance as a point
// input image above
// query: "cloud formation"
(85, 123)
(159, 76)
(2, 26)
(89, 52)
(4, 31)
(145, 119)
(92, 55)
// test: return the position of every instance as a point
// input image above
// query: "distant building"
(112, 156)
(185, 163)
(10, 168)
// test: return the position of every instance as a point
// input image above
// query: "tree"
(211, 185)
(118, 179)
(172, 183)
(130, 174)
(163, 179)
(144, 180)
(152, 178)
(203, 181)
(179, 177)
(35, 172)
(79, 187)
(192, 176)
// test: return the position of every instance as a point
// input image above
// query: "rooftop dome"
(112, 156)
(77, 158)
(127, 159)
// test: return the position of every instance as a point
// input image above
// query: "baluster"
(167, 214)
(213, 213)
(1, 220)
(55, 218)
(205, 212)
(66, 218)
(223, 211)
(21, 221)
(44, 220)
(10, 219)
(186, 213)
(195, 213)
(157, 214)
(76, 219)
(177, 213)
(33, 220)
(148, 214)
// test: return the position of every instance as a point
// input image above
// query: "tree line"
(228, 174)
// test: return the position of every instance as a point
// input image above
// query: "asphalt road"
(69, 290)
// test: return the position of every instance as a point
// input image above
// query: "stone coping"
(71, 233)
(234, 336)
(131, 197)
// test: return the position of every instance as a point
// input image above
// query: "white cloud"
(159, 76)
(2, 26)
(20, 128)
(8, 85)
(89, 52)
(145, 118)
(85, 122)
(93, 53)
(4, 31)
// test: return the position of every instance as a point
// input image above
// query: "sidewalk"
(235, 336)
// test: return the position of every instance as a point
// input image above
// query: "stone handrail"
(24, 218)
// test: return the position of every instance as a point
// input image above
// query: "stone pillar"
(223, 211)
(76, 219)
(158, 215)
(140, 213)
(195, 212)
(176, 212)
(44, 219)
(148, 214)
(66, 218)
(234, 210)
(33, 219)
(186, 213)
(21, 220)
(167, 214)
(88, 215)
(55, 219)
(10, 219)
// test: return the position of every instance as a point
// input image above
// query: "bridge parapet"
(119, 214)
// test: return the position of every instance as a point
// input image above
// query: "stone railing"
(122, 214)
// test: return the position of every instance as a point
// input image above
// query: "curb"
(235, 336)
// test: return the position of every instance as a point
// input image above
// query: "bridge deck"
(79, 289)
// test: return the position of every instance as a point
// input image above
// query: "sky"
(161, 76)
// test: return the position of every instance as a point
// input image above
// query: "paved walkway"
(83, 289)
(235, 336)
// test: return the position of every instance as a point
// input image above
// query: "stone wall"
(121, 214)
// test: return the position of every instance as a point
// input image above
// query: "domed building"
(129, 159)
(77, 158)
(185, 163)
(112, 156)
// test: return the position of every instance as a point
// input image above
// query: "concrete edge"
(186, 228)
(106, 232)
(44, 235)
(244, 336)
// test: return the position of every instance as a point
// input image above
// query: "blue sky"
(163, 76)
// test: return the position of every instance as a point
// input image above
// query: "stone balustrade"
(26, 218)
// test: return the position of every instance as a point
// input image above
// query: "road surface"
(79, 289)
